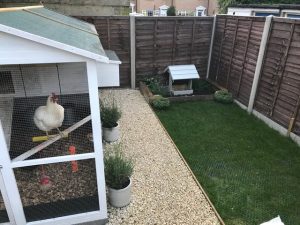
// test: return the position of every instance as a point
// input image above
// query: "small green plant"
(118, 169)
(155, 86)
(171, 11)
(160, 103)
(110, 113)
(223, 96)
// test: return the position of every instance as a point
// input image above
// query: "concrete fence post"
(259, 63)
(211, 45)
(132, 51)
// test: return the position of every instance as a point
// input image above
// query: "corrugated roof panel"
(183, 72)
(54, 26)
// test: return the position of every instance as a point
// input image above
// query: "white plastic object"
(275, 221)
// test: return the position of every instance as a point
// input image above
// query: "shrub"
(117, 168)
(110, 113)
(223, 96)
(155, 86)
(171, 11)
(160, 103)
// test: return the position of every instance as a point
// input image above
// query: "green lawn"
(249, 171)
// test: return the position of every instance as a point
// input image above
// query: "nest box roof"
(183, 72)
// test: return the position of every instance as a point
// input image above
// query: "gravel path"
(163, 191)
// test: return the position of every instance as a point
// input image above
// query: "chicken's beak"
(54, 97)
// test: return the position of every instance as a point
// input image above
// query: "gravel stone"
(163, 191)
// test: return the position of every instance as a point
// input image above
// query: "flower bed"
(203, 90)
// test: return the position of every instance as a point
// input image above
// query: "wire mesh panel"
(40, 102)
(3, 213)
(6, 85)
(45, 113)
(60, 189)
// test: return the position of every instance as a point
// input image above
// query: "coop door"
(52, 155)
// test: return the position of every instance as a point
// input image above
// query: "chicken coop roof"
(41, 22)
(183, 72)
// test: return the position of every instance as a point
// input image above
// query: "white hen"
(50, 116)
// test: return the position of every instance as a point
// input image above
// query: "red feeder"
(74, 164)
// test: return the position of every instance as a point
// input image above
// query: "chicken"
(50, 116)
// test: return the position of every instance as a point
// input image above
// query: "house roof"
(200, 7)
(183, 72)
(164, 7)
(69, 33)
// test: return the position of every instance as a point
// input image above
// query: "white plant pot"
(120, 198)
(111, 134)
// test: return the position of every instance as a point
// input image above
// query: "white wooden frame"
(13, 200)
(4, 195)
(44, 50)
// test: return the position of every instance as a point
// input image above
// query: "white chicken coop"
(51, 164)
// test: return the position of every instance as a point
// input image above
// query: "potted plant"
(118, 171)
(110, 115)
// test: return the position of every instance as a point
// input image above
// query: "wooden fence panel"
(278, 95)
(235, 50)
(114, 32)
(164, 41)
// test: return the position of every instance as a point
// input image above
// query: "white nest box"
(180, 79)
(109, 74)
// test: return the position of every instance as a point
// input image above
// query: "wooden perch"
(51, 141)
(45, 138)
